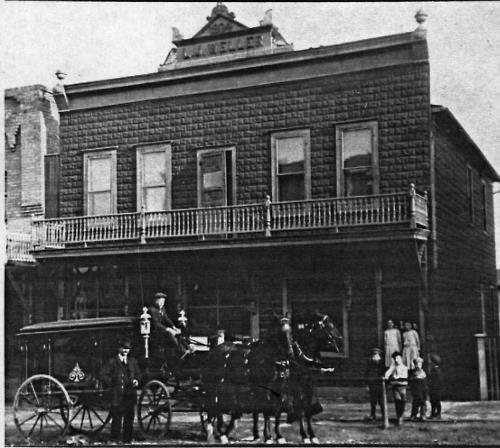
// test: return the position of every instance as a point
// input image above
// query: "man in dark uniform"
(121, 374)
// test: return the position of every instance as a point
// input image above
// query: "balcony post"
(143, 225)
(267, 206)
(413, 212)
(33, 230)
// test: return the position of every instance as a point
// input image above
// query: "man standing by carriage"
(121, 373)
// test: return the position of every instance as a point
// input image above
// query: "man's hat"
(160, 295)
(376, 351)
(435, 358)
(125, 343)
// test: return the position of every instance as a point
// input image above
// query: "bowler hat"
(125, 343)
(160, 295)
(376, 351)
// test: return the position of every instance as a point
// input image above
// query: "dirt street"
(472, 423)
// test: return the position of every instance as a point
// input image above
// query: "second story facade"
(330, 137)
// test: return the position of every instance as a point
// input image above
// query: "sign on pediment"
(219, 22)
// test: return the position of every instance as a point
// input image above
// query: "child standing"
(418, 386)
(435, 386)
(397, 374)
(374, 373)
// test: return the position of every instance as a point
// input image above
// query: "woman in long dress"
(392, 342)
(411, 346)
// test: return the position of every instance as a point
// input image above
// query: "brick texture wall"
(397, 97)
(465, 259)
(32, 130)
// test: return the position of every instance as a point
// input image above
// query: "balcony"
(264, 219)
(19, 246)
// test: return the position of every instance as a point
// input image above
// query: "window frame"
(372, 125)
(305, 134)
(225, 149)
(484, 205)
(93, 154)
(146, 148)
(470, 193)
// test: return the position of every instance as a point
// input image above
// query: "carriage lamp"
(145, 325)
(182, 318)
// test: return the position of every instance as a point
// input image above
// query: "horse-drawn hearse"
(62, 391)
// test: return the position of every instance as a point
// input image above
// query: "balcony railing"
(265, 218)
(19, 246)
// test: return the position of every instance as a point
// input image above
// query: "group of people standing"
(403, 368)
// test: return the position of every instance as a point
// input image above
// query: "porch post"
(378, 296)
(481, 363)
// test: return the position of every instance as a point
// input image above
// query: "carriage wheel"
(154, 410)
(90, 414)
(39, 406)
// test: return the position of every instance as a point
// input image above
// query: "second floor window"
(357, 159)
(100, 182)
(216, 177)
(470, 194)
(154, 177)
(291, 166)
(484, 205)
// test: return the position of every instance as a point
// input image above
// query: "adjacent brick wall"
(466, 258)
(32, 129)
(397, 97)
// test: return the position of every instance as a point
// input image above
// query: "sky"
(99, 40)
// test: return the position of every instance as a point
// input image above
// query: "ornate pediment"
(224, 38)
(221, 21)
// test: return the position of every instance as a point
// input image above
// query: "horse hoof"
(269, 442)
(315, 441)
(210, 438)
(306, 441)
(224, 440)
(281, 440)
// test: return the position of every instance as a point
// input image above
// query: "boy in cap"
(418, 385)
(435, 386)
(374, 373)
(397, 374)
(121, 374)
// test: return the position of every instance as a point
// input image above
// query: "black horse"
(312, 334)
(271, 376)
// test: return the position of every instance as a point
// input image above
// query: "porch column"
(481, 364)
(378, 296)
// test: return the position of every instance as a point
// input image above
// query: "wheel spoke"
(33, 427)
(34, 393)
(49, 417)
(77, 412)
(149, 424)
(83, 417)
(147, 415)
(28, 419)
(41, 427)
(97, 415)
(25, 396)
(90, 419)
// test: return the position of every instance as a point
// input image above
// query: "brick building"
(245, 176)
(31, 143)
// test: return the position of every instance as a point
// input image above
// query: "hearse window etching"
(291, 166)
(357, 159)
(154, 177)
(100, 182)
